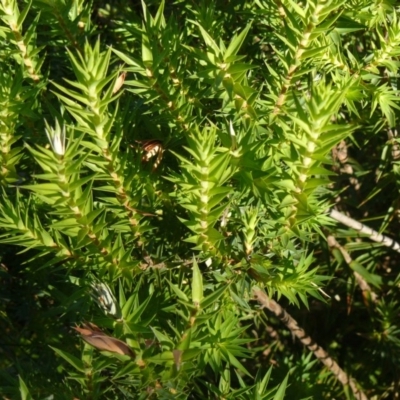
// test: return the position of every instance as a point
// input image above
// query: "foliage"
(160, 160)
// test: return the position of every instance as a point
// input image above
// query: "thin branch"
(340, 153)
(307, 341)
(361, 228)
(392, 135)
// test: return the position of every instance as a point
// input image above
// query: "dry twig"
(307, 341)
(361, 228)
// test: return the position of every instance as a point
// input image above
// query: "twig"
(368, 293)
(392, 135)
(318, 351)
(340, 153)
(361, 228)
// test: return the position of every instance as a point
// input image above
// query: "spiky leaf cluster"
(161, 161)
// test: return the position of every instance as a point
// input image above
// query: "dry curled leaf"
(119, 82)
(93, 335)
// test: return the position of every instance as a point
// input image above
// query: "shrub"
(170, 170)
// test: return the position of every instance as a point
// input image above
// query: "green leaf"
(80, 182)
(239, 68)
(162, 358)
(128, 60)
(162, 338)
(159, 20)
(292, 46)
(75, 362)
(197, 284)
(236, 43)
(373, 279)
(310, 53)
(213, 297)
(208, 39)
(147, 54)
(22, 16)
(178, 292)
(236, 363)
(23, 389)
(44, 188)
(280, 394)
(190, 354)
(261, 385)
(346, 25)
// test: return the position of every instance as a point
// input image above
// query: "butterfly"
(151, 148)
